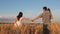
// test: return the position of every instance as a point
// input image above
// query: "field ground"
(31, 28)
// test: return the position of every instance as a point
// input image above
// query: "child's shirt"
(19, 23)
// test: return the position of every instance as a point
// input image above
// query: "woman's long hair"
(19, 15)
(49, 12)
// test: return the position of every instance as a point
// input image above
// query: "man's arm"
(37, 17)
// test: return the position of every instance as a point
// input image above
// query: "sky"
(30, 8)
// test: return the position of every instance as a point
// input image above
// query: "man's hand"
(32, 20)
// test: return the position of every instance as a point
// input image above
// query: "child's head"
(44, 8)
(19, 15)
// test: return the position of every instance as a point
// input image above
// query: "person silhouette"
(46, 18)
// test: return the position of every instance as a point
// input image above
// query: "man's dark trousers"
(45, 29)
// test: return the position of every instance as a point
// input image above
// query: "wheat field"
(31, 28)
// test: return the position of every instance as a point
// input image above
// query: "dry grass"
(29, 28)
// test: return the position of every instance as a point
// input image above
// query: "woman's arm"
(51, 17)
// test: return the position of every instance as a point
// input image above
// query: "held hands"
(32, 20)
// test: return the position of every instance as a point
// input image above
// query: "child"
(19, 20)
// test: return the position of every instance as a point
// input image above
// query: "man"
(46, 18)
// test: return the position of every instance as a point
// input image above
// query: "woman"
(49, 15)
(19, 20)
